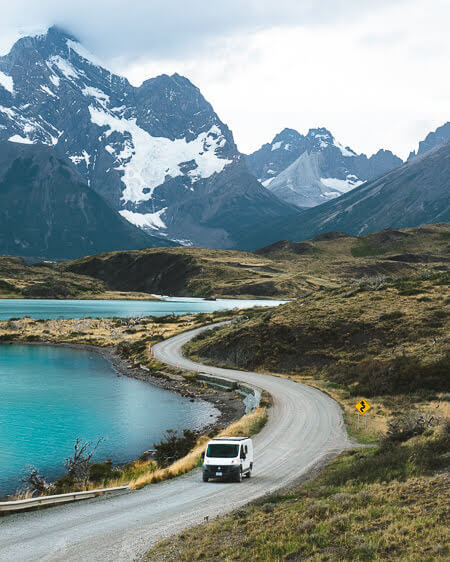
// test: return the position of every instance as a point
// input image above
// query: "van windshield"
(222, 450)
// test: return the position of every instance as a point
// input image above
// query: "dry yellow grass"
(94, 331)
(249, 424)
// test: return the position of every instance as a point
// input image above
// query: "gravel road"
(304, 430)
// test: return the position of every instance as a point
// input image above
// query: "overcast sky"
(376, 73)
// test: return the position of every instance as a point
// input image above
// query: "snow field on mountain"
(28, 126)
(64, 66)
(7, 82)
(141, 152)
(342, 186)
(145, 220)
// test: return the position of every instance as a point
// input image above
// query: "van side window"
(246, 449)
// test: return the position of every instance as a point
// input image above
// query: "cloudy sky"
(374, 73)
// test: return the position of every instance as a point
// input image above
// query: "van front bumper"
(219, 471)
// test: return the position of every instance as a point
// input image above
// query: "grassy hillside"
(384, 504)
(50, 280)
(184, 271)
(379, 335)
(284, 269)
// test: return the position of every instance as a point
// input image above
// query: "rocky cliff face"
(158, 153)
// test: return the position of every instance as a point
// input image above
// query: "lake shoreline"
(230, 408)
(219, 399)
(149, 297)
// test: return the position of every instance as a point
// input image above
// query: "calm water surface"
(51, 395)
(48, 308)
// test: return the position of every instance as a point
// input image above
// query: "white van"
(228, 458)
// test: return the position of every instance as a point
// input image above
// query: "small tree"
(79, 463)
(35, 483)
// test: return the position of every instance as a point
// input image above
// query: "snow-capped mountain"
(307, 170)
(157, 153)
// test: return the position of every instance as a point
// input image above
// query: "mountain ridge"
(418, 192)
(308, 170)
(433, 139)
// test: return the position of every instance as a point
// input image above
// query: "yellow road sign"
(363, 406)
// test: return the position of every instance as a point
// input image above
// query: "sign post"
(363, 407)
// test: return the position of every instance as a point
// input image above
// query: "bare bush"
(409, 425)
(375, 282)
(36, 484)
(80, 462)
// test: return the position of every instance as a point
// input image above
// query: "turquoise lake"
(51, 395)
(40, 308)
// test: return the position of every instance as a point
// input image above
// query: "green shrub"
(5, 286)
(364, 249)
(99, 472)
(65, 484)
(9, 336)
(431, 454)
(174, 446)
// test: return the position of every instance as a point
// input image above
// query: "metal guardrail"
(20, 505)
(251, 395)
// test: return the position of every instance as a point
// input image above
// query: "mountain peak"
(320, 132)
(56, 31)
(55, 41)
(166, 81)
(287, 132)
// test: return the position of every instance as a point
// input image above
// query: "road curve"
(305, 427)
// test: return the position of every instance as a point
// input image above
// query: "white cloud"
(374, 73)
(378, 82)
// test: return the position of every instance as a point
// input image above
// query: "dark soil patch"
(286, 245)
(334, 235)
(417, 258)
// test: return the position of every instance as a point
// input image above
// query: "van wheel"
(248, 474)
(205, 478)
(238, 476)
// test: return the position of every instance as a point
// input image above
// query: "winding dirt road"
(305, 428)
